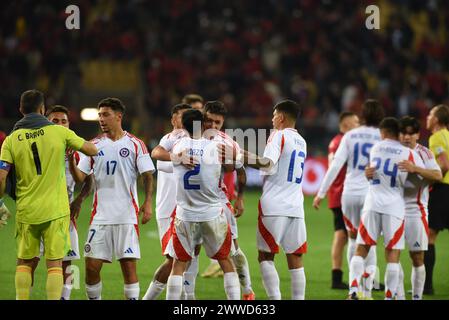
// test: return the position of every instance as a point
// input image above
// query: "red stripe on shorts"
(397, 235)
(166, 238)
(266, 235)
(349, 225)
(181, 253)
(223, 252)
(302, 249)
(365, 236)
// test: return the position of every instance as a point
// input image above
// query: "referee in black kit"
(437, 122)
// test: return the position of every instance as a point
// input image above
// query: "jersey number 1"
(37, 160)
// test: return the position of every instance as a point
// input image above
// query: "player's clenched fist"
(146, 211)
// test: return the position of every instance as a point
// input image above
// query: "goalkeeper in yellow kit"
(36, 150)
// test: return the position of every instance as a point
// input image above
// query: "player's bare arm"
(428, 174)
(246, 157)
(241, 182)
(76, 173)
(75, 206)
(443, 161)
(159, 153)
(89, 149)
(147, 207)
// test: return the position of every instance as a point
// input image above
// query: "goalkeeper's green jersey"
(38, 156)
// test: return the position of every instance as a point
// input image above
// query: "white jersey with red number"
(282, 186)
(116, 168)
(386, 189)
(223, 138)
(416, 196)
(354, 150)
(197, 190)
(166, 183)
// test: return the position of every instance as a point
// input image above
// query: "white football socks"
(400, 291)
(351, 250)
(356, 268)
(370, 271)
(190, 278)
(270, 280)
(418, 280)
(154, 290)
(66, 291)
(391, 280)
(94, 291)
(132, 291)
(231, 285)
(298, 283)
(242, 268)
(174, 288)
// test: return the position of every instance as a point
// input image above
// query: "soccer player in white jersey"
(384, 208)
(165, 199)
(214, 117)
(416, 200)
(354, 152)
(199, 211)
(281, 206)
(113, 227)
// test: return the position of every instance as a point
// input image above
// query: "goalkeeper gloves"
(4, 214)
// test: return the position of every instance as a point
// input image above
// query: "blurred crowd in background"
(249, 54)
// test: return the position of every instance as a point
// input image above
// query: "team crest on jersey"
(124, 152)
(87, 248)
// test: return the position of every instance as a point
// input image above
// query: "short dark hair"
(113, 103)
(57, 108)
(372, 112)
(345, 114)
(179, 107)
(216, 107)
(192, 98)
(189, 117)
(442, 114)
(31, 101)
(289, 107)
(408, 121)
(391, 125)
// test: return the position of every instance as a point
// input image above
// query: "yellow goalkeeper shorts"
(54, 234)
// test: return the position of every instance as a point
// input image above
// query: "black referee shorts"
(439, 207)
(339, 223)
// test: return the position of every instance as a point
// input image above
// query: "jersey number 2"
(187, 185)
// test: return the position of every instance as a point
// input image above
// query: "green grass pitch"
(317, 261)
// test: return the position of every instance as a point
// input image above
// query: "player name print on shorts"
(124, 152)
